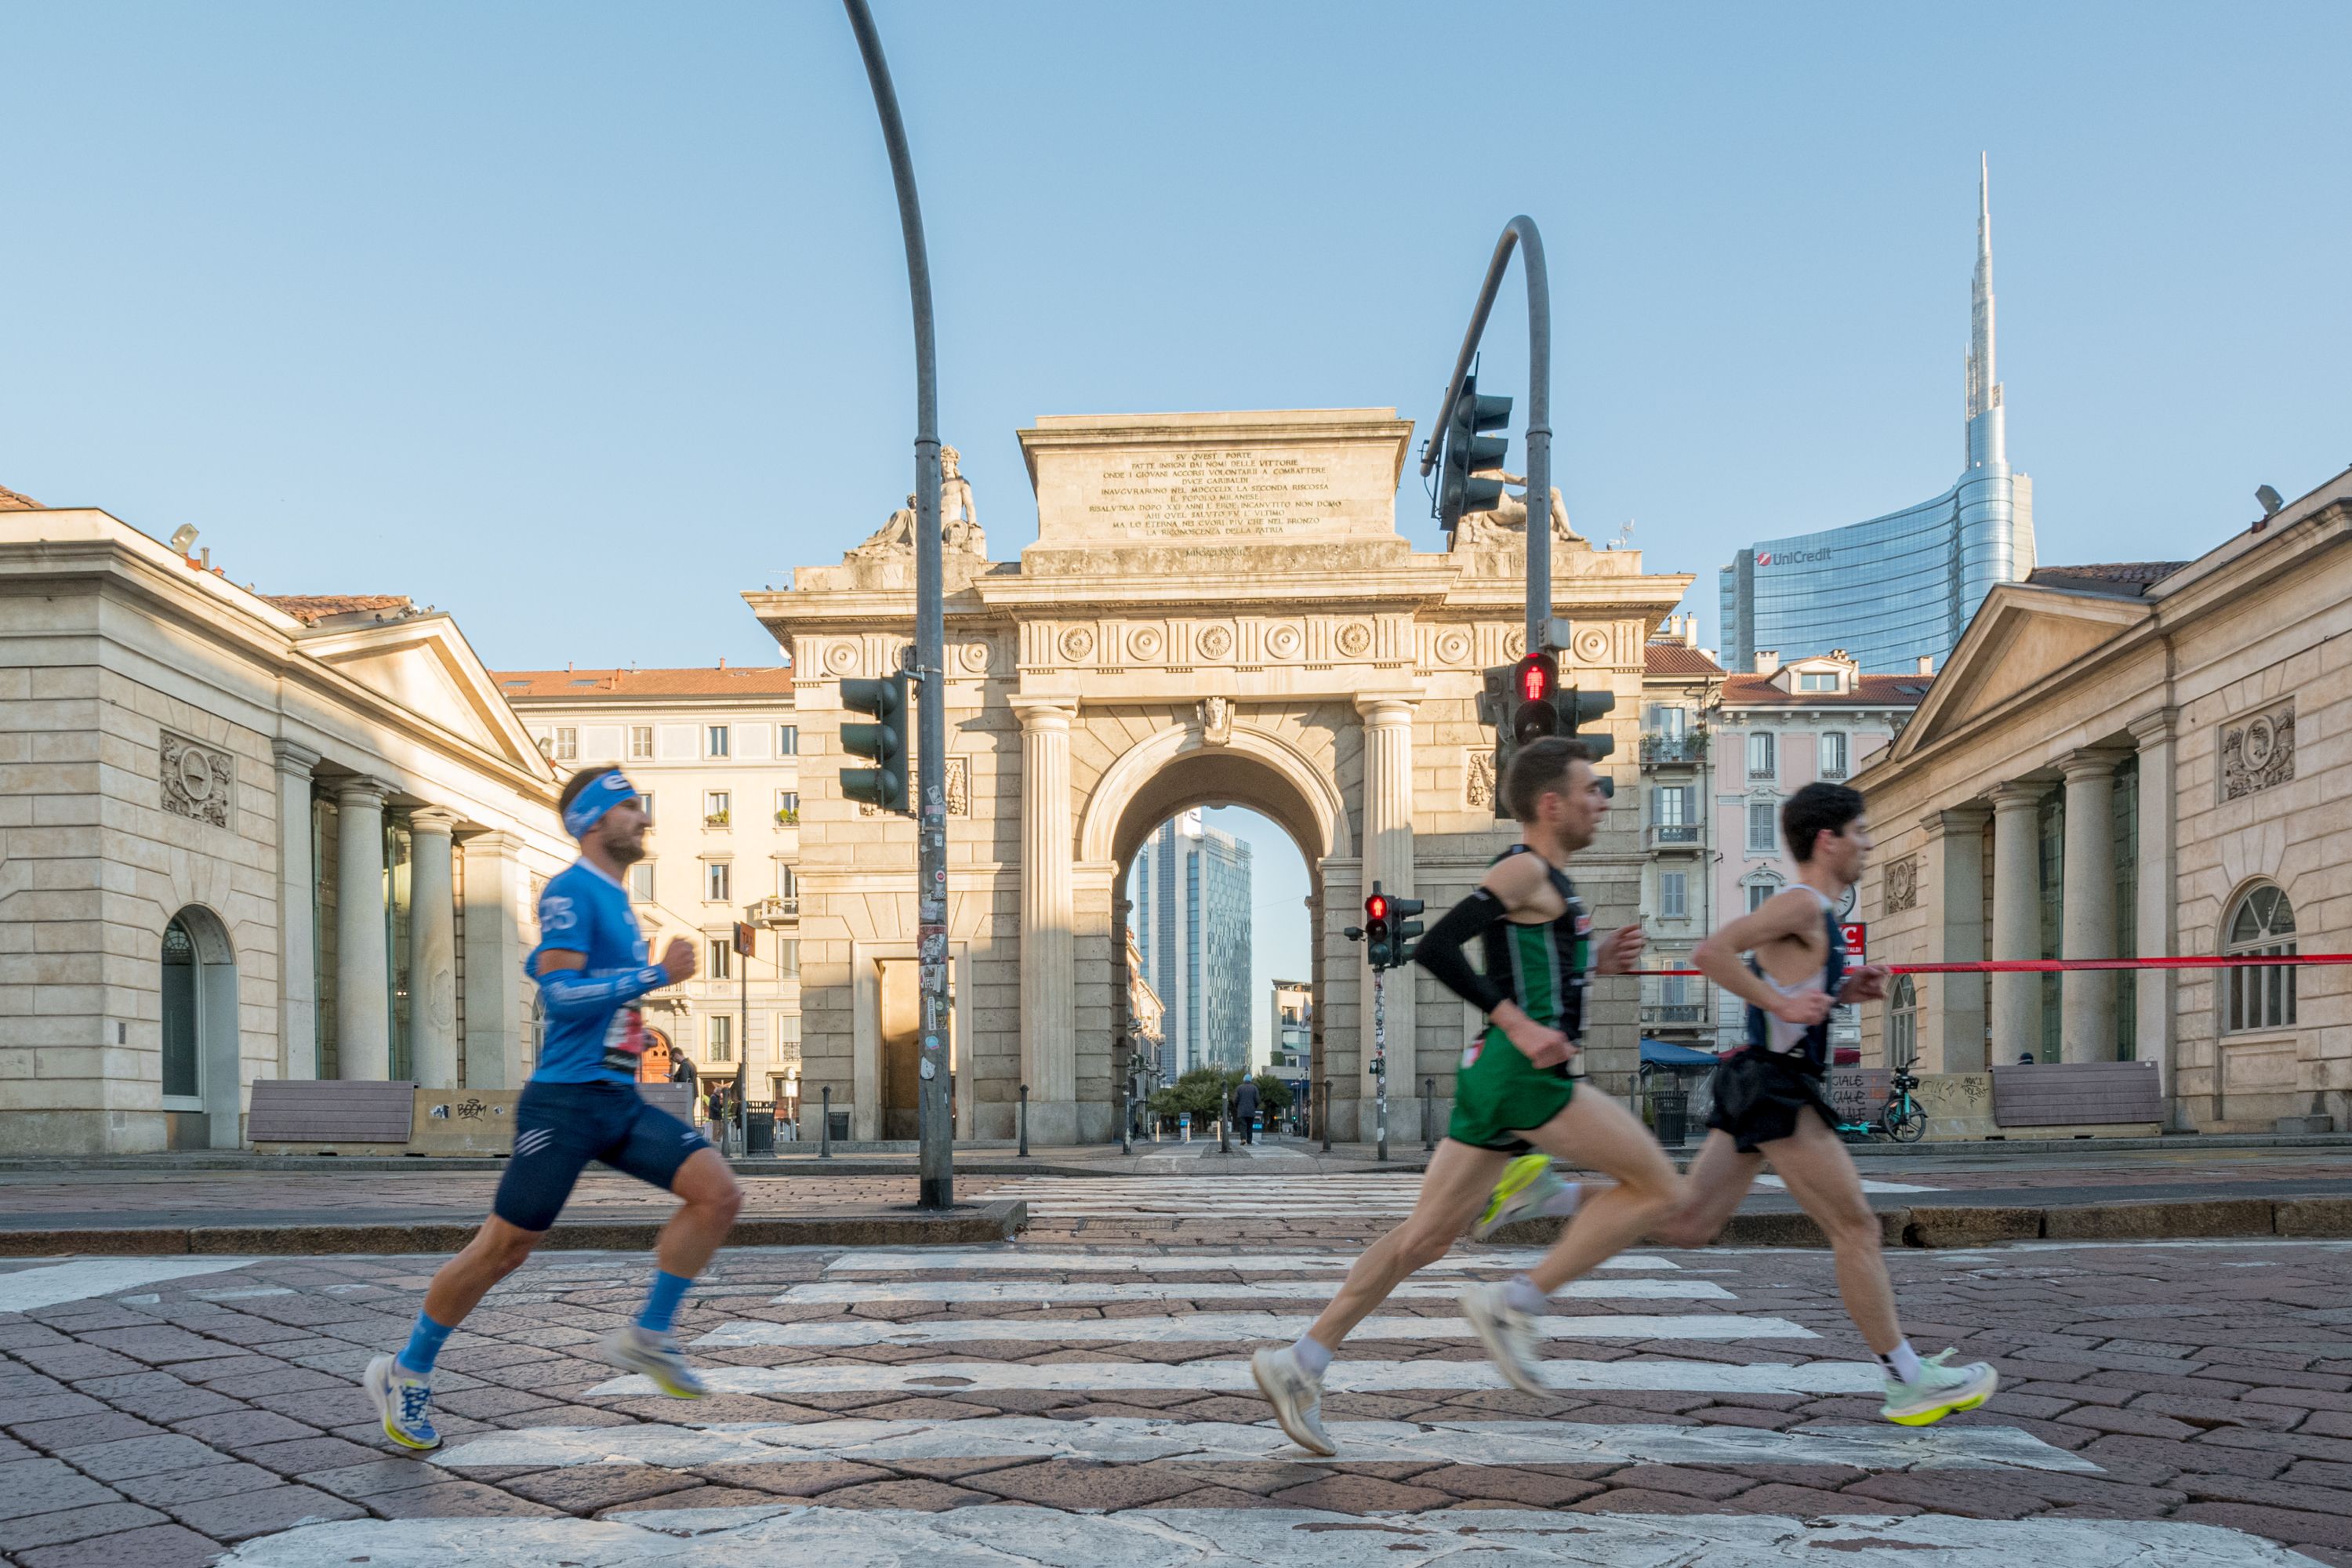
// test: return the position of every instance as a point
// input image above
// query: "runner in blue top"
(582, 1104)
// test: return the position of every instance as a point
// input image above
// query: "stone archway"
(1218, 608)
(201, 1096)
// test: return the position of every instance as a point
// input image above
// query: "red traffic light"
(1376, 908)
(1535, 678)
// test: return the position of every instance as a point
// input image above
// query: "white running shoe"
(1509, 1336)
(656, 1356)
(1526, 1190)
(401, 1399)
(1939, 1390)
(1297, 1397)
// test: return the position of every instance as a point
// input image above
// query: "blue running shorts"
(560, 1127)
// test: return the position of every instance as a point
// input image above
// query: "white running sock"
(1522, 1294)
(1902, 1362)
(1312, 1356)
(1562, 1204)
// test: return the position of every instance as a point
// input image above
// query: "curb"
(1963, 1225)
(966, 1225)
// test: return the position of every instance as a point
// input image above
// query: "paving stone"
(169, 1487)
(2291, 1526)
(245, 1514)
(157, 1546)
(1538, 1487)
(1063, 1483)
(1348, 1493)
(21, 1412)
(456, 1500)
(238, 1429)
(373, 1478)
(799, 1480)
(141, 1457)
(914, 1495)
(591, 1489)
(308, 1454)
(101, 1425)
(155, 1346)
(75, 1524)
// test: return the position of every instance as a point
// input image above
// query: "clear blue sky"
(578, 319)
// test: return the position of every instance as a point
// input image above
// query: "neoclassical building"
(243, 837)
(1218, 610)
(2145, 758)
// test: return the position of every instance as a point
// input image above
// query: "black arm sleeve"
(1440, 950)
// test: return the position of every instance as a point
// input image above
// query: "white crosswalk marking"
(1867, 1186)
(1184, 1196)
(1248, 1538)
(1126, 1439)
(1349, 1376)
(1241, 1328)
(1017, 1261)
(852, 1292)
(53, 1285)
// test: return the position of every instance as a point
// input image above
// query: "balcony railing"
(1666, 834)
(1674, 1013)
(1664, 750)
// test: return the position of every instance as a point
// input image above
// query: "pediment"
(2020, 638)
(425, 666)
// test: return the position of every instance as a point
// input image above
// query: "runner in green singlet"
(1516, 1086)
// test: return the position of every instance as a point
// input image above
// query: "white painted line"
(1133, 1440)
(1867, 1185)
(1224, 1327)
(1014, 1261)
(850, 1292)
(1247, 1538)
(29, 1290)
(940, 1377)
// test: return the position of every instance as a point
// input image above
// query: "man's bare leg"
(1453, 1191)
(1712, 1193)
(496, 1251)
(1822, 1180)
(709, 1201)
(1600, 1134)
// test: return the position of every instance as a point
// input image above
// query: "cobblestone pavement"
(1082, 1395)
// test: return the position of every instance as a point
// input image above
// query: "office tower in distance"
(1189, 893)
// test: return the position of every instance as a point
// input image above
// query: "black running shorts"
(560, 1127)
(1758, 1096)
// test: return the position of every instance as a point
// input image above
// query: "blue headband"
(599, 795)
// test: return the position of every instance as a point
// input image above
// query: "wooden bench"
(2077, 1094)
(342, 1112)
(677, 1099)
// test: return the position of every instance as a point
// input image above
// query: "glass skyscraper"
(1898, 588)
(1190, 915)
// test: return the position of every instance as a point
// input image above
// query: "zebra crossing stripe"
(855, 1292)
(1250, 1538)
(1867, 1186)
(1016, 1261)
(1133, 1440)
(1222, 1376)
(53, 1285)
(1229, 1327)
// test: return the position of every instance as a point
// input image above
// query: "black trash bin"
(759, 1130)
(1670, 1116)
(839, 1123)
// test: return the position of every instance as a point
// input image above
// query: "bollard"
(1125, 1120)
(824, 1127)
(1428, 1101)
(1327, 1116)
(1024, 1120)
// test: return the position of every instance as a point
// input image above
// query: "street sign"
(1853, 934)
(743, 938)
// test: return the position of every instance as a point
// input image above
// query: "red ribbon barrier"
(2059, 965)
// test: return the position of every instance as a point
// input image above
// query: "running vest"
(1546, 965)
(1810, 1053)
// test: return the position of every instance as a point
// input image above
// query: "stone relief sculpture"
(2259, 751)
(1901, 884)
(1216, 721)
(1478, 779)
(959, 519)
(195, 780)
(1486, 529)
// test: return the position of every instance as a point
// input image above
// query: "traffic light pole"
(1380, 1063)
(1519, 232)
(937, 1162)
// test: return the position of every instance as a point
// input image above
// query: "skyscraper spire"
(1984, 391)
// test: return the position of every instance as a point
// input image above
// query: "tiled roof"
(1676, 659)
(311, 608)
(584, 685)
(11, 501)
(2128, 579)
(1870, 692)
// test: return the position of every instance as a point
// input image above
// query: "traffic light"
(882, 742)
(1519, 702)
(1469, 453)
(1578, 708)
(1401, 911)
(1378, 942)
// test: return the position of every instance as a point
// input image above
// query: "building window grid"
(718, 881)
(788, 807)
(567, 745)
(788, 740)
(2262, 925)
(641, 882)
(1833, 754)
(1761, 761)
(1674, 896)
(721, 1035)
(640, 742)
(1902, 1023)
(718, 807)
(716, 741)
(1762, 816)
(722, 959)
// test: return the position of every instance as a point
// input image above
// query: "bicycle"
(1901, 1119)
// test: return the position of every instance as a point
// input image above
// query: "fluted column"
(432, 949)
(2016, 922)
(1049, 1034)
(1952, 1006)
(298, 914)
(1388, 860)
(494, 953)
(2087, 1007)
(2153, 1034)
(363, 998)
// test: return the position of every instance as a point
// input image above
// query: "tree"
(1273, 1094)
(1200, 1094)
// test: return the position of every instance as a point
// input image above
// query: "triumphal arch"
(1218, 610)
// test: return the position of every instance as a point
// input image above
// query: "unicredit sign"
(1790, 557)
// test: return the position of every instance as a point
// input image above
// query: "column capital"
(493, 842)
(2090, 766)
(360, 790)
(294, 760)
(1045, 713)
(2154, 729)
(433, 819)
(2009, 797)
(1385, 709)
(1967, 818)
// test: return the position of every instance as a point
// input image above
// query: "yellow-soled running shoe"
(1526, 1185)
(1939, 1390)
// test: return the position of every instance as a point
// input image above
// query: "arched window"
(1902, 1023)
(183, 1077)
(2260, 998)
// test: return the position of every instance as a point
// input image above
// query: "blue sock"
(423, 1346)
(661, 1301)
